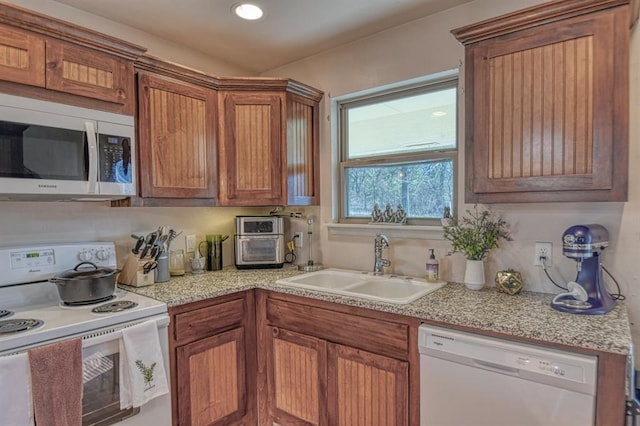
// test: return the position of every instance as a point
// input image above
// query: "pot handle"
(85, 263)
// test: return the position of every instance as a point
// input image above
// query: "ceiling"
(290, 29)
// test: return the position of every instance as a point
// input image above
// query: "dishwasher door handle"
(496, 367)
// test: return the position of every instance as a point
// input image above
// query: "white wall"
(424, 47)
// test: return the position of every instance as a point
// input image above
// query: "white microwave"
(55, 151)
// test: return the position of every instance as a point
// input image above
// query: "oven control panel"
(33, 259)
(26, 264)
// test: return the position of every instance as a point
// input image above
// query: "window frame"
(373, 97)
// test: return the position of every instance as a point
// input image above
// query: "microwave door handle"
(93, 157)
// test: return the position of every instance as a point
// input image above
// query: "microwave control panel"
(115, 158)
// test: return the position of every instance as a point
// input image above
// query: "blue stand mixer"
(587, 295)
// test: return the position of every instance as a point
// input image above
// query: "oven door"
(101, 377)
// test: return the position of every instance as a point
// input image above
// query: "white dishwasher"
(469, 380)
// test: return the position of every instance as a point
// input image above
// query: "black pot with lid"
(86, 284)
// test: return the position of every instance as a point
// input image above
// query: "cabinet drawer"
(378, 336)
(207, 321)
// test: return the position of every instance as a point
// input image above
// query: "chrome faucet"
(381, 242)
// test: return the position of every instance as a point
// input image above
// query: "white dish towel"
(16, 405)
(142, 372)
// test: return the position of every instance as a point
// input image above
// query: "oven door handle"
(116, 332)
(93, 157)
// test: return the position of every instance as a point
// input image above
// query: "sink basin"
(387, 288)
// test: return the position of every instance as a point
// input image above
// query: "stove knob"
(103, 254)
(85, 256)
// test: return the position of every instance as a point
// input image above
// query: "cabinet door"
(549, 112)
(252, 146)
(303, 152)
(365, 388)
(176, 139)
(21, 57)
(89, 73)
(296, 379)
(211, 380)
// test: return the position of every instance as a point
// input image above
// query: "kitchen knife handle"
(145, 251)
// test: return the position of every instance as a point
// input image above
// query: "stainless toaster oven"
(259, 242)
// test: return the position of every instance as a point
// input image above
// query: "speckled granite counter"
(526, 315)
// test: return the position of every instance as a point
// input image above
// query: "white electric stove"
(32, 315)
(26, 295)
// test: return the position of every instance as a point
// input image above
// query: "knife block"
(133, 273)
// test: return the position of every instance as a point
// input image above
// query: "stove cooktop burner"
(4, 313)
(118, 306)
(17, 325)
(89, 302)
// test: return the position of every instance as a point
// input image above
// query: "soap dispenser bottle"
(432, 267)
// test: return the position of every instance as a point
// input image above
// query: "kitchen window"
(399, 147)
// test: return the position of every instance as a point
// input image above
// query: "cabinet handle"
(275, 331)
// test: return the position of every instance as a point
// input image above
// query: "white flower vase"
(474, 274)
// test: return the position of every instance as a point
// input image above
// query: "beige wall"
(424, 47)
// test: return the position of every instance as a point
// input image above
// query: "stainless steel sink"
(388, 288)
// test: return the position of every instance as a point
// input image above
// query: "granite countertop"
(527, 314)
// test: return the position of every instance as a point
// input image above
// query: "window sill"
(403, 231)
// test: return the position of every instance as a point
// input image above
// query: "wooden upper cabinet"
(252, 147)
(303, 151)
(21, 57)
(547, 104)
(92, 74)
(176, 138)
(269, 142)
(46, 58)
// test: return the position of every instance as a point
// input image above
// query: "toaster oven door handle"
(92, 182)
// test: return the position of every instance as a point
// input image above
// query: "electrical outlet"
(297, 236)
(543, 250)
(190, 243)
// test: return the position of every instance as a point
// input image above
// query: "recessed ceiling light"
(248, 11)
(438, 114)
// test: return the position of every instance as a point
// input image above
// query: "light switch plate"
(190, 243)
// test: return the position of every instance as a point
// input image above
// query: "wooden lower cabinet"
(315, 373)
(314, 382)
(365, 388)
(211, 383)
(266, 358)
(297, 378)
(213, 367)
